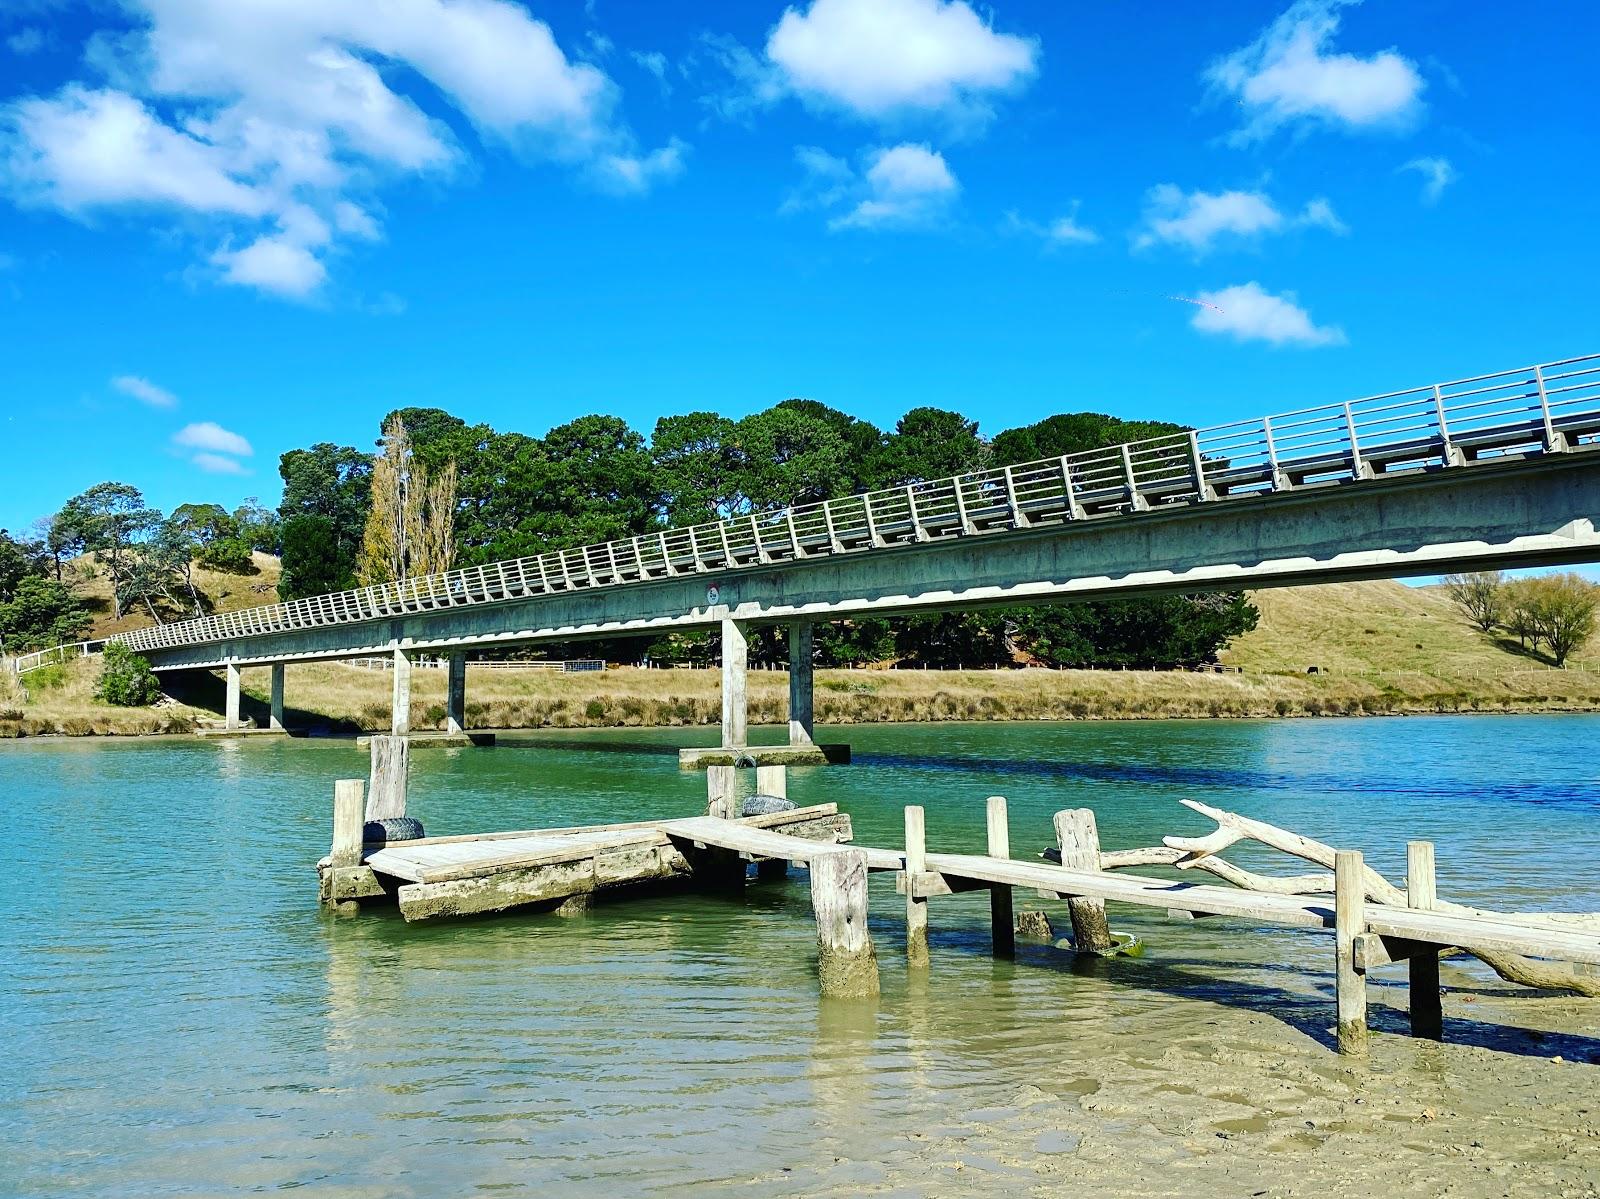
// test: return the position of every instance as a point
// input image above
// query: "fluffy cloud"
(145, 391)
(274, 120)
(1290, 76)
(208, 435)
(1437, 174)
(1063, 231)
(891, 56)
(216, 464)
(1248, 312)
(1198, 220)
(906, 186)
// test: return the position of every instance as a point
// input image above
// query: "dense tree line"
(596, 479)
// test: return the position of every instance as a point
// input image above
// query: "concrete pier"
(735, 681)
(800, 688)
(455, 708)
(275, 718)
(230, 713)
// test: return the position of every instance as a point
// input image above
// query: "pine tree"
(410, 525)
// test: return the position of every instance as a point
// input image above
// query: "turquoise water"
(181, 1018)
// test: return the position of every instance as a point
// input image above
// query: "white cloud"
(1198, 220)
(273, 264)
(145, 391)
(216, 464)
(654, 62)
(890, 56)
(1063, 231)
(26, 41)
(1437, 174)
(277, 121)
(907, 186)
(1290, 76)
(1248, 312)
(208, 435)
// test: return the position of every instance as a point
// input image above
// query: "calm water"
(181, 1019)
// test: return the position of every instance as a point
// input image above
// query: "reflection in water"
(182, 1019)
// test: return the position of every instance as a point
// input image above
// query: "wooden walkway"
(562, 867)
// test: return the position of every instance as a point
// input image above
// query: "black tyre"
(766, 805)
(391, 829)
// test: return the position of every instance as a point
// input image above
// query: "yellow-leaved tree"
(410, 529)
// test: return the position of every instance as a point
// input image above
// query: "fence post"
(1349, 922)
(1003, 927)
(1427, 1013)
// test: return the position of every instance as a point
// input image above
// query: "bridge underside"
(1512, 513)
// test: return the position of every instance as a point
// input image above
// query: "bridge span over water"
(1494, 471)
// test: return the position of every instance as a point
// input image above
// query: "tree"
(19, 558)
(1163, 631)
(214, 538)
(312, 561)
(410, 526)
(1073, 433)
(1480, 596)
(63, 535)
(1563, 608)
(113, 518)
(333, 483)
(126, 679)
(595, 483)
(259, 527)
(699, 468)
(863, 445)
(930, 443)
(39, 613)
(1519, 613)
(953, 639)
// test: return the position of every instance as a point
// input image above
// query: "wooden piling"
(846, 963)
(347, 879)
(916, 905)
(1349, 921)
(722, 792)
(1079, 838)
(772, 780)
(1427, 1012)
(391, 766)
(1003, 925)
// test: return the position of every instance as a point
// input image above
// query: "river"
(181, 1019)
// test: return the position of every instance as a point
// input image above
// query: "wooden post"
(1079, 838)
(916, 905)
(1349, 921)
(275, 716)
(800, 689)
(735, 667)
(230, 711)
(348, 819)
(391, 766)
(455, 707)
(772, 780)
(722, 792)
(1427, 1012)
(1003, 929)
(846, 963)
(400, 695)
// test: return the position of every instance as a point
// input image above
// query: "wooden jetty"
(1374, 923)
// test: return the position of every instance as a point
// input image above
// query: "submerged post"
(735, 702)
(455, 707)
(1004, 927)
(400, 696)
(1349, 921)
(847, 965)
(800, 689)
(1079, 838)
(1427, 1012)
(275, 715)
(916, 905)
(230, 712)
(391, 763)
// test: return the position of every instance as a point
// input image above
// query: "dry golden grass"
(227, 593)
(1379, 647)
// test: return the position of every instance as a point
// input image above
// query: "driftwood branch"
(1199, 853)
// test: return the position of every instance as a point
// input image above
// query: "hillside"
(226, 593)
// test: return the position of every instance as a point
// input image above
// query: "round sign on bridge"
(713, 595)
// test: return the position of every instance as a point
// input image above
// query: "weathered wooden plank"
(770, 820)
(496, 892)
(766, 843)
(847, 965)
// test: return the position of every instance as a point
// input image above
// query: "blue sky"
(230, 229)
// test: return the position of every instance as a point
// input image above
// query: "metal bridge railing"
(1549, 408)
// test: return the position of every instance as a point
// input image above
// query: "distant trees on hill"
(1555, 611)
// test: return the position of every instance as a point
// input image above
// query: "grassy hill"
(225, 592)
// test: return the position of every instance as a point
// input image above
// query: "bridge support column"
(275, 718)
(400, 698)
(735, 696)
(800, 693)
(455, 708)
(230, 711)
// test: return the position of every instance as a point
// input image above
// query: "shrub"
(595, 709)
(126, 680)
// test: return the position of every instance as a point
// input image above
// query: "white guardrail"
(24, 663)
(1540, 409)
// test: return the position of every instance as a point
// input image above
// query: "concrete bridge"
(1495, 471)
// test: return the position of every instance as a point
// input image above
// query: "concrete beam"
(400, 697)
(735, 683)
(455, 708)
(1542, 511)
(800, 690)
(275, 718)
